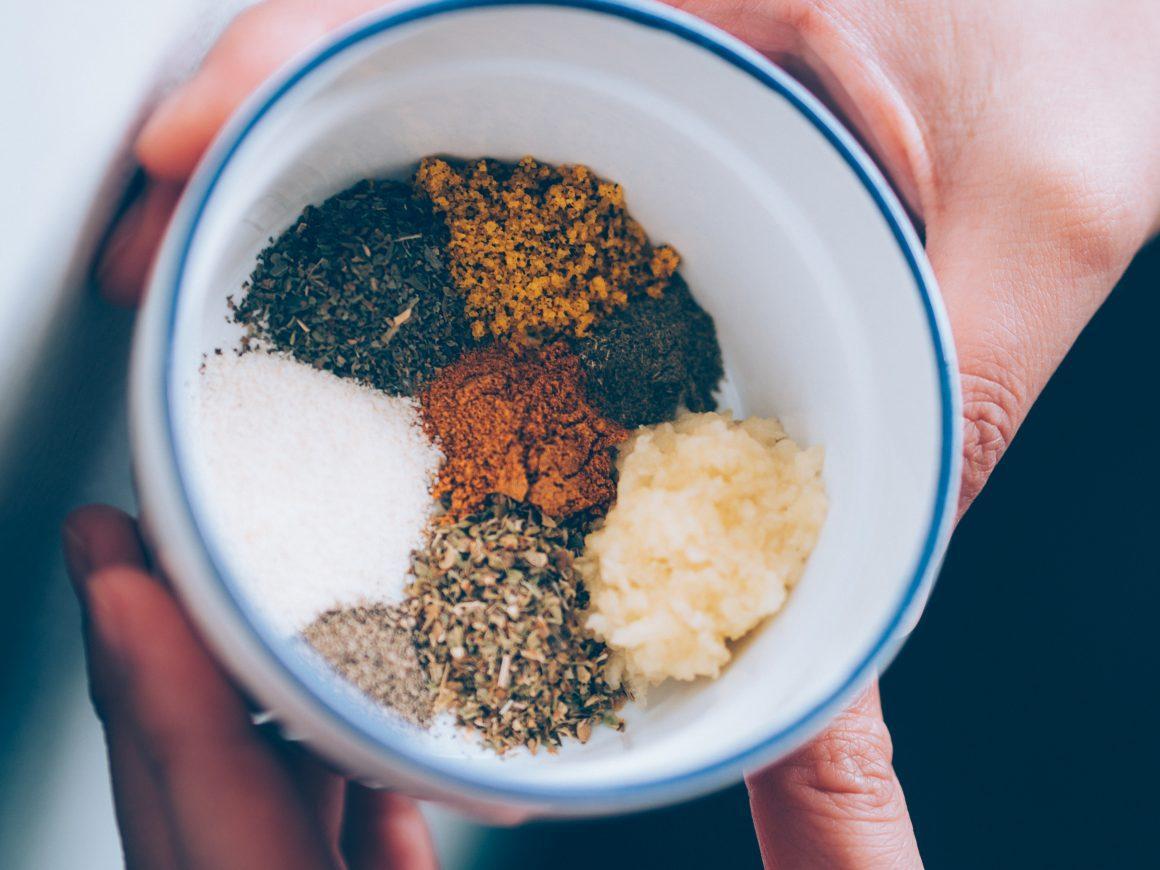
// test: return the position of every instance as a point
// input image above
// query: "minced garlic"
(713, 522)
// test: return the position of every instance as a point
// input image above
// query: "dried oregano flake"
(498, 610)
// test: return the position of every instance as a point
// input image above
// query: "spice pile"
(497, 606)
(373, 646)
(540, 250)
(321, 485)
(645, 362)
(713, 522)
(497, 331)
(359, 287)
(516, 422)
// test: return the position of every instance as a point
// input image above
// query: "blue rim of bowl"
(354, 720)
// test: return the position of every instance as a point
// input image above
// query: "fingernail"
(76, 557)
(164, 115)
(102, 620)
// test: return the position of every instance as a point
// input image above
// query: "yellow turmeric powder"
(539, 250)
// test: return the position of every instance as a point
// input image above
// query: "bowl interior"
(819, 313)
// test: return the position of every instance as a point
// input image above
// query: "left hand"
(196, 784)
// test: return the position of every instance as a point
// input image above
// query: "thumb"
(1020, 274)
(836, 802)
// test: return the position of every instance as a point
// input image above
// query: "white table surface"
(76, 79)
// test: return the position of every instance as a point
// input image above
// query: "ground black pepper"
(373, 647)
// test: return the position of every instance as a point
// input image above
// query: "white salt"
(318, 487)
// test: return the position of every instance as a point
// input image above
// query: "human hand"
(1022, 136)
(1008, 130)
(196, 784)
(1019, 147)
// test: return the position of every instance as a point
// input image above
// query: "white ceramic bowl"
(825, 307)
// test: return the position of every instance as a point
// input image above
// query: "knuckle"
(248, 23)
(1089, 216)
(163, 749)
(808, 19)
(992, 406)
(102, 695)
(847, 773)
(170, 745)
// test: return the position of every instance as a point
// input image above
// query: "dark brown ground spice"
(645, 361)
(516, 421)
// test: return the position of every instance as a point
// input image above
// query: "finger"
(385, 830)
(257, 43)
(1019, 286)
(840, 51)
(227, 799)
(95, 539)
(836, 802)
(1031, 215)
(323, 791)
(123, 264)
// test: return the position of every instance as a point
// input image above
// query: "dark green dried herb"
(359, 286)
(498, 610)
(646, 360)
